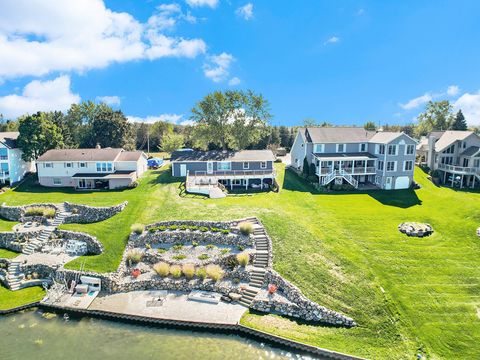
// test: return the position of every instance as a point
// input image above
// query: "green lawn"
(10, 299)
(343, 250)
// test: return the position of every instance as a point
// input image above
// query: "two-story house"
(204, 170)
(356, 156)
(12, 167)
(455, 154)
(97, 168)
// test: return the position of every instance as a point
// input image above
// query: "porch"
(358, 164)
(91, 181)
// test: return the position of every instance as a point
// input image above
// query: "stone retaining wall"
(84, 214)
(14, 241)
(297, 305)
(94, 247)
(43, 271)
(15, 213)
(218, 224)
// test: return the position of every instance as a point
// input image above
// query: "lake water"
(28, 335)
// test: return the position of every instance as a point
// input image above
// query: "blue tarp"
(154, 162)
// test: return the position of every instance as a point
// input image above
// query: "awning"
(120, 174)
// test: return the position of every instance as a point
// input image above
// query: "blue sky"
(345, 62)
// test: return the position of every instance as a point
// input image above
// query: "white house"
(12, 167)
(91, 168)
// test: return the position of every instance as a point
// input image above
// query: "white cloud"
(416, 102)
(245, 11)
(360, 12)
(39, 96)
(234, 81)
(453, 90)
(39, 37)
(198, 3)
(109, 100)
(332, 40)
(187, 122)
(171, 118)
(470, 106)
(218, 67)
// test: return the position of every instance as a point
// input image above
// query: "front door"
(209, 167)
(388, 183)
(183, 169)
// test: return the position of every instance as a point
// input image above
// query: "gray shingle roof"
(130, 155)
(449, 137)
(338, 134)
(9, 138)
(107, 154)
(472, 150)
(243, 155)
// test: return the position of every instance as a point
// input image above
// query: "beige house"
(97, 168)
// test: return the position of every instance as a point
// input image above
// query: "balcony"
(462, 170)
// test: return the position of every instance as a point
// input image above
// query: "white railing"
(339, 173)
(460, 169)
(349, 178)
(357, 170)
(218, 173)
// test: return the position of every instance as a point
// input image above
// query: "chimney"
(98, 146)
(431, 152)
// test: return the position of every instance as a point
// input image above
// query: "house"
(454, 154)
(356, 156)
(91, 168)
(232, 169)
(12, 167)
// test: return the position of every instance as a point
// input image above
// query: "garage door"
(402, 182)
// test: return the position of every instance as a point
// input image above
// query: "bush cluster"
(243, 259)
(134, 256)
(188, 227)
(137, 228)
(162, 269)
(246, 228)
(49, 213)
(214, 272)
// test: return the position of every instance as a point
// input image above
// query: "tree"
(306, 167)
(370, 125)
(284, 133)
(309, 122)
(231, 119)
(437, 116)
(38, 134)
(58, 118)
(111, 129)
(459, 123)
(172, 142)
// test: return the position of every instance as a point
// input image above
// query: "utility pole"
(148, 141)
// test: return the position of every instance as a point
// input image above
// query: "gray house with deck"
(356, 156)
(207, 170)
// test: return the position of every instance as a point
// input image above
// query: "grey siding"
(298, 151)
(193, 166)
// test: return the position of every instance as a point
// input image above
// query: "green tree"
(437, 116)
(38, 134)
(172, 142)
(370, 125)
(309, 122)
(459, 123)
(306, 167)
(230, 119)
(111, 129)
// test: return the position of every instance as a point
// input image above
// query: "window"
(391, 165)
(3, 154)
(68, 164)
(263, 165)
(224, 165)
(450, 150)
(363, 147)
(82, 164)
(319, 148)
(340, 148)
(237, 181)
(4, 167)
(392, 149)
(57, 181)
(48, 165)
(409, 149)
(464, 144)
(104, 167)
(408, 165)
(380, 165)
(476, 163)
(381, 149)
(246, 165)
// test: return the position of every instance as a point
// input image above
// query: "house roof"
(449, 137)
(9, 138)
(338, 134)
(130, 155)
(342, 156)
(384, 137)
(470, 151)
(218, 155)
(106, 154)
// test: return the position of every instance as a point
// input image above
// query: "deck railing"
(220, 173)
(460, 169)
(357, 170)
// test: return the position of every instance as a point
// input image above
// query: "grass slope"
(11, 299)
(342, 250)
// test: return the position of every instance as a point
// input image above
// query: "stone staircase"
(14, 275)
(45, 234)
(260, 262)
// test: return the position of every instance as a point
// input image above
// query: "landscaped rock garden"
(83, 214)
(415, 229)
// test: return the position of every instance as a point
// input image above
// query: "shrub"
(179, 257)
(224, 251)
(137, 228)
(133, 184)
(40, 211)
(152, 229)
(246, 228)
(74, 211)
(243, 259)
(161, 228)
(193, 227)
(134, 256)
(148, 246)
(173, 227)
(161, 250)
(203, 257)
(215, 229)
(183, 227)
(176, 271)
(49, 213)
(225, 231)
(177, 247)
(214, 272)
(188, 270)
(210, 247)
(240, 247)
(162, 268)
(203, 229)
(201, 273)
(194, 243)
